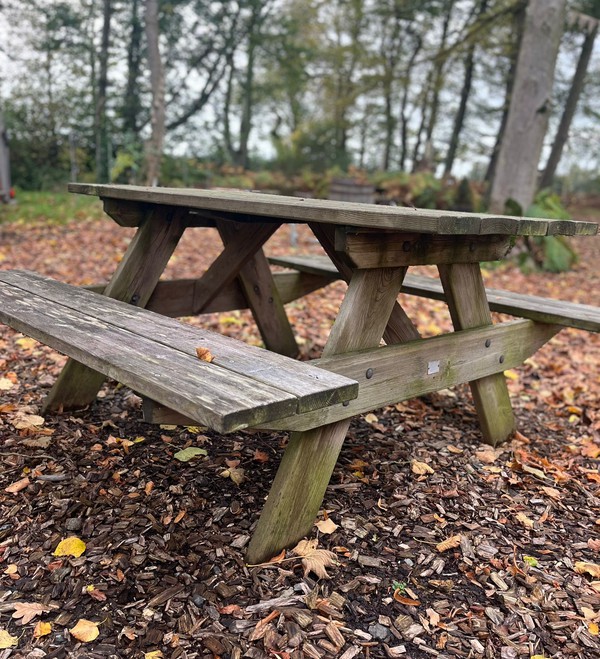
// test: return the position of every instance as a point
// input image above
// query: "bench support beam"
(309, 459)
(467, 303)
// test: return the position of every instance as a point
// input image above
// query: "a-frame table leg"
(307, 464)
(133, 281)
(467, 302)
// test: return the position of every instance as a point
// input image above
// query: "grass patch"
(50, 207)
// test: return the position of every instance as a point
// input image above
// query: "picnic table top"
(252, 206)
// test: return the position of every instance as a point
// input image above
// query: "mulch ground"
(444, 547)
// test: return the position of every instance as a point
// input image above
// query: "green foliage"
(50, 207)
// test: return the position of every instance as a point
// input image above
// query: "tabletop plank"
(299, 209)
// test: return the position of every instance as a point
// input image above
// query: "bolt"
(346, 403)
(135, 298)
(488, 343)
(256, 288)
(270, 300)
(502, 359)
(369, 373)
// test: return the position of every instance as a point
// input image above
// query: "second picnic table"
(371, 247)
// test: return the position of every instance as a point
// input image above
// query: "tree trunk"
(248, 99)
(404, 104)
(459, 119)
(562, 132)
(102, 140)
(132, 103)
(519, 23)
(154, 147)
(438, 80)
(517, 169)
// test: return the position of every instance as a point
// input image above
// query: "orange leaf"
(85, 630)
(407, 601)
(17, 486)
(449, 543)
(204, 355)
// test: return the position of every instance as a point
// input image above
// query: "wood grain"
(299, 209)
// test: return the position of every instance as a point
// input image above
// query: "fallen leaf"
(593, 544)
(582, 567)
(42, 629)
(236, 474)
(531, 560)
(229, 609)
(189, 453)
(526, 521)
(6, 640)
(552, 492)
(71, 546)
(37, 442)
(421, 468)
(204, 355)
(278, 558)
(155, 654)
(449, 543)
(17, 486)
(27, 421)
(26, 343)
(371, 418)
(595, 585)
(27, 611)
(407, 601)
(260, 456)
(6, 384)
(94, 593)
(326, 526)
(313, 559)
(11, 569)
(593, 628)
(85, 630)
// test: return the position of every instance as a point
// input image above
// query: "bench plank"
(336, 212)
(540, 309)
(242, 386)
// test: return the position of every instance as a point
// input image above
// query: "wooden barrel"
(348, 189)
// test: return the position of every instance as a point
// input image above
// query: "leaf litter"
(173, 583)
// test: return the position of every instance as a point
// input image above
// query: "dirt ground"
(443, 547)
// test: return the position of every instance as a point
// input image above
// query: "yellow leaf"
(204, 355)
(313, 559)
(85, 630)
(27, 343)
(42, 629)
(511, 374)
(326, 526)
(155, 654)
(371, 418)
(583, 567)
(449, 543)
(167, 426)
(72, 546)
(6, 640)
(593, 628)
(523, 519)
(421, 468)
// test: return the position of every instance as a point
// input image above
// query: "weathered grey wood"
(133, 281)
(312, 386)
(370, 249)
(244, 241)
(331, 212)
(534, 307)
(262, 295)
(409, 370)
(309, 458)
(467, 303)
(400, 327)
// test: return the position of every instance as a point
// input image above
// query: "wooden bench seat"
(533, 307)
(156, 356)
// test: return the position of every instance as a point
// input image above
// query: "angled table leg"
(263, 298)
(133, 281)
(307, 464)
(467, 302)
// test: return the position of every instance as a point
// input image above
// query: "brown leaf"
(313, 559)
(326, 526)
(449, 543)
(583, 567)
(421, 468)
(237, 475)
(27, 611)
(526, 521)
(96, 594)
(260, 456)
(204, 354)
(593, 544)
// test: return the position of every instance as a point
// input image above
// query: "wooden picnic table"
(371, 247)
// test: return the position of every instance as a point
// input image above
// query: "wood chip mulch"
(443, 546)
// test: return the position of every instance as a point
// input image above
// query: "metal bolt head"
(369, 373)
(502, 359)
(488, 343)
